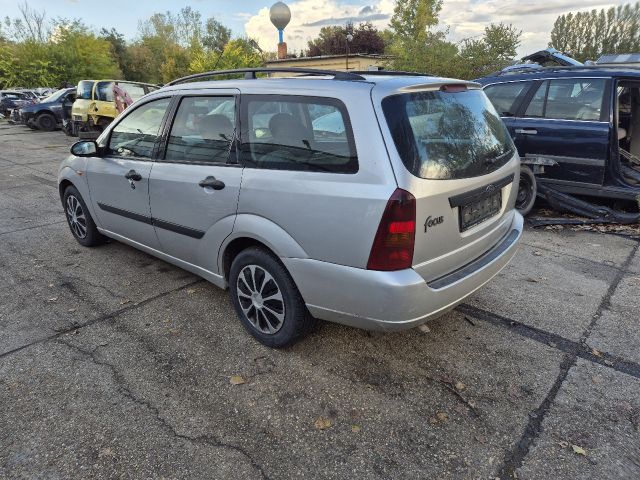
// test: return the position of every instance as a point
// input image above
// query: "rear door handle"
(527, 131)
(212, 182)
(133, 175)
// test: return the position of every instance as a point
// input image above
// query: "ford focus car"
(376, 200)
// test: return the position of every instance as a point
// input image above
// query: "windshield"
(84, 90)
(54, 96)
(447, 135)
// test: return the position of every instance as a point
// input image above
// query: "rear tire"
(267, 300)
(46, 122)
(527, 190)
(82, 226)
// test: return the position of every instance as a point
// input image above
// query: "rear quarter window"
(297, 133)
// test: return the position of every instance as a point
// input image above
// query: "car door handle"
(133, 175)
(527, 131)
(212, 182)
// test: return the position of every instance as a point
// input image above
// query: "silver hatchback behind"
(373, 199)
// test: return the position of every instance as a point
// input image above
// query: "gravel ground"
(114, 364)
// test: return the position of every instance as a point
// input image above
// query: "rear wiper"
(499, 157)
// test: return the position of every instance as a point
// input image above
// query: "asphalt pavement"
(114, 364)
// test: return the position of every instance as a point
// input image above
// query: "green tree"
(588, 35)
(215, 35)
(238, 53)
(493, 51)
(416, 45)
(80, 54)
(414, 18)
(118, 48)
(332, 40)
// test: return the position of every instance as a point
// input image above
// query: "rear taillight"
(393, 246)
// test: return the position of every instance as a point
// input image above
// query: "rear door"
(507, 98)
(119, 180)
(195, 184)
(565, 125)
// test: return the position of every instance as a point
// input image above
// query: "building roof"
(328, 57)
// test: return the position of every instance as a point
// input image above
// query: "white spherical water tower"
(280, 16)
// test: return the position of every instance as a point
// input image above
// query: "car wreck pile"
(577, 129)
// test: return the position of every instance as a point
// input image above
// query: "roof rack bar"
(392, 72)
(250, 73)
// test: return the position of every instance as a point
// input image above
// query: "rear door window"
(136, 134)
(568, 99)
(507, 96)
(203, 130)
(297, 133)
(447, 135)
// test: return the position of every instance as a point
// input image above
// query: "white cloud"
(465, 18)
(308, 16)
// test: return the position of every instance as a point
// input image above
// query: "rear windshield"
(447, 135)
(84, 90)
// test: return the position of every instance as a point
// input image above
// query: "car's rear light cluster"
(393, 245)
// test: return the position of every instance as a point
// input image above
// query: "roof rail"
(392, 73)
(250, 73)
(561, 68)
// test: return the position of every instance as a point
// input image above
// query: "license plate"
(477, 212)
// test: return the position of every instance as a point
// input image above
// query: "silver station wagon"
(374, 199)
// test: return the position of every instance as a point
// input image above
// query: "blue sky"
(465, 18)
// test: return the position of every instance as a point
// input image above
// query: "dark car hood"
(551, 54)
(34, 107)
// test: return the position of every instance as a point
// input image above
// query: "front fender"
(73, 170)
(265, 231)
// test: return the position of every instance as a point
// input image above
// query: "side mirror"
(84, 148)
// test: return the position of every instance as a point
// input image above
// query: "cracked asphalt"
(114, 364)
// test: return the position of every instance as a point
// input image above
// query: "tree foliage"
(418, 42)
(493, 51)
(332, 40)
(70, 53)
(35, 51)
(588, 35)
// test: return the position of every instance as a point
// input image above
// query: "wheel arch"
(39, 113)
(73, 173)
(271, 237)
(63, 185)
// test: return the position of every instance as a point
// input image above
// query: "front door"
(119, 180)
(193, 186)
(565, 126)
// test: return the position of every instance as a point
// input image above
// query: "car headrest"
(287, 131)
(215, 127)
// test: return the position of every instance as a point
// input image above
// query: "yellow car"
(98, 102)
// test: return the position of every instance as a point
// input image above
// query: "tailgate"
(457, 223)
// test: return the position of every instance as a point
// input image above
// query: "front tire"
(267, 300)
(46, 122)
(527, 190)
(82, 226)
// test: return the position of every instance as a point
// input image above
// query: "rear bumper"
(394, 300)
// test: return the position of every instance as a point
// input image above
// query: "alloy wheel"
(76, 217)
(261, 299)
(525, 190)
